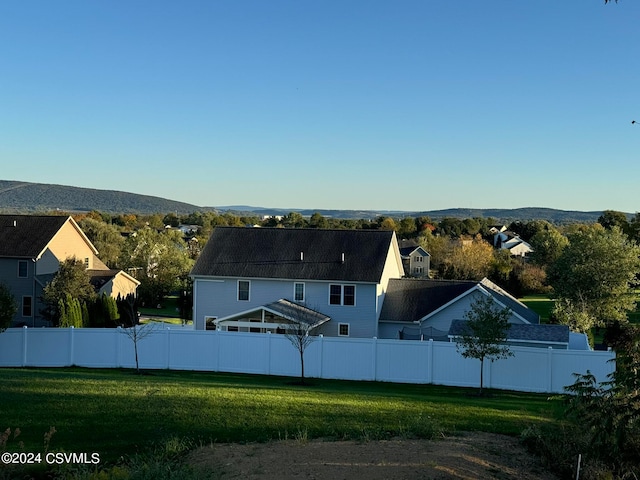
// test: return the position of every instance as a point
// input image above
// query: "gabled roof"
(26, 236)
(304, 254)
(287, 309)
(99, 278)
(522, 332)
(411, 299)
(406, 252)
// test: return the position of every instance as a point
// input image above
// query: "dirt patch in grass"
(468, 456)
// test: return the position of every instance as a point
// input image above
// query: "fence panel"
(530, 369)
(12, 347)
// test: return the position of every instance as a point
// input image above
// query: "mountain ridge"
(29, 197)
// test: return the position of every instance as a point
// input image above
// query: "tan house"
(32, 247)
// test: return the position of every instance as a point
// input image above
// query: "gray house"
(260, 279)
(340, 283)
(423, 309)
(31, 250)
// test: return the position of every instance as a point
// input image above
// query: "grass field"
(119, 413)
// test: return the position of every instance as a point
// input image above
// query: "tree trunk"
(302, 367)
(481, 374)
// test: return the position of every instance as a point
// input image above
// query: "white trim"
(478, 287)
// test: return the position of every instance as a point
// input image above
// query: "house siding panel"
(68, 243)
(218, 298)
(19, 287)
(442, 320)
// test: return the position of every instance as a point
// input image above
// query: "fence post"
(168, 348)
(24, 346)
(374, 359)
(216, 333)
(430, 361)
(321, 354)
(550, 372)
(71, 344)
(118, 335)
(268, 362)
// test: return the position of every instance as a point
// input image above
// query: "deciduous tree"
(70, 281)
(485, 332)
(592, 277)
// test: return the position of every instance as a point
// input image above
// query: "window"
(243, 290)
(23, 269)
(418, 258)
(417, 270)
(26, 306)
(86, 262)
(343, 329)
(298, 292)
(349, 295)
(342, 294)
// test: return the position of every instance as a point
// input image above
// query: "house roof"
(311, 254)
(26, 236)
(292, 311)
(406, 252)
(523, 332)
(412, 299)
(99, 277)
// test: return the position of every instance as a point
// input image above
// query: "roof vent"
(15, 223)
(301, 256)
(342, 258)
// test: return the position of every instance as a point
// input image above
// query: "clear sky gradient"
(377, 105)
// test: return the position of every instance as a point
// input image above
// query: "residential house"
(31, 250)
(415, 259)
(261, 279)
(431, 309)
(339, 283)
(505, 239)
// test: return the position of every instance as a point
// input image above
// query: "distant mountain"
(25, 197)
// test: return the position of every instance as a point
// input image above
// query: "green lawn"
(541, 304)
(115, 412)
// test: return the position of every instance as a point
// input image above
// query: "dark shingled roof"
(523, 332)
(98, 278)
(410, 299)
(275, 253)
(26, 236)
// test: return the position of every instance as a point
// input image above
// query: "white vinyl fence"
(402, 361)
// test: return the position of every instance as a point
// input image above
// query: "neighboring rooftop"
(26, 236)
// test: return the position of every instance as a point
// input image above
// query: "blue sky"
(380, 105)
